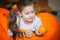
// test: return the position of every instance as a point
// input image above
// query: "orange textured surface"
(3, 24)
(49, 21)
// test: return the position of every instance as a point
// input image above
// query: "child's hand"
(37, 32)
(28, 33)
(41, 30)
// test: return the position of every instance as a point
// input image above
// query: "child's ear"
(20, 14)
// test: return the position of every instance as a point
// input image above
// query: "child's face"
(28, 13)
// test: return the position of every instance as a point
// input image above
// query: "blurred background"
(50, 5)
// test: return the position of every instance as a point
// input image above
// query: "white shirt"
(34, 25)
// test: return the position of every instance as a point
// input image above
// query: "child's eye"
(26, 13)
(32, 12)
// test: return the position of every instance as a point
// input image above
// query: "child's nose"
(31, 15)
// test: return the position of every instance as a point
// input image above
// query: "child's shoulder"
(37, 21)
(37, 18)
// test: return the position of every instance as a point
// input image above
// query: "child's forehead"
(28, 8)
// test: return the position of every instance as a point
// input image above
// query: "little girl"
(27, 20)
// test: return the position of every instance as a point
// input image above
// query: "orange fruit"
(42, 29)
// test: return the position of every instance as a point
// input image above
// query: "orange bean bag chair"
(3, 24)
(51, 24)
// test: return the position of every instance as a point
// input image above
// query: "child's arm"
(38, 24)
